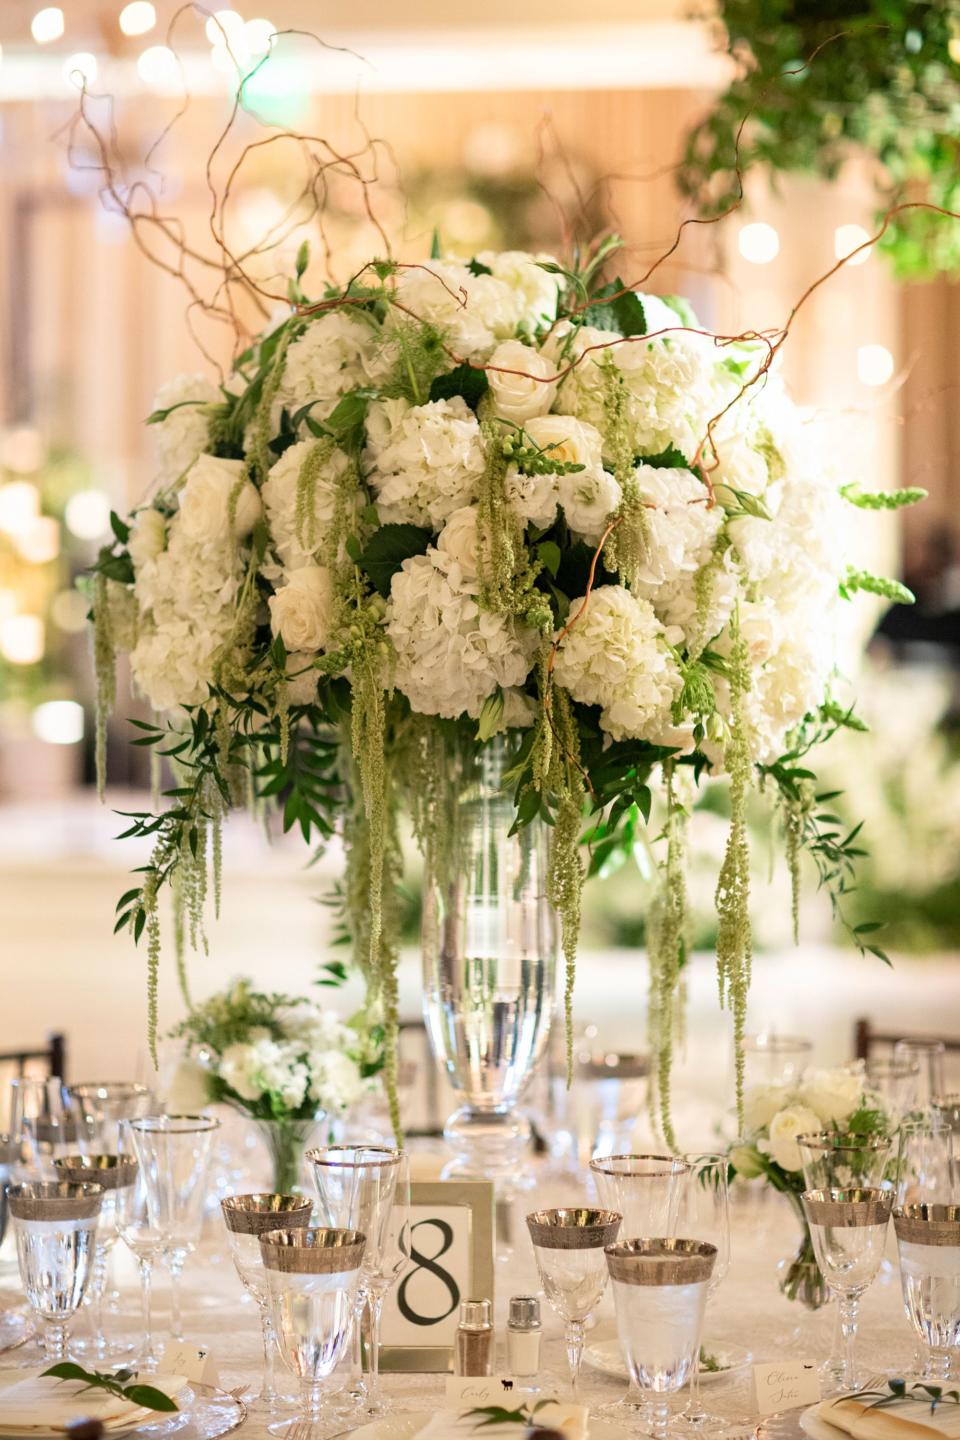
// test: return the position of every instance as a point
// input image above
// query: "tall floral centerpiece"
(832, 1102)
(502, 502)
(286, 1063)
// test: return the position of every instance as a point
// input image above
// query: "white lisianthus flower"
(205, 501)
(535, 290)
(237, 1068)
(303, 678)
(184, 434)
(589, 499)
(785, 1127)
(567, 440)
(519, 711)
(521, 381)
(148, 536)
(532, 497)
(424, 461)
(337, 352)
(614, 656)
(301, 611)
(832, 1094)
(458, 546)
(761, 1103)
(293, 546)
(681, 528)
(450, 654)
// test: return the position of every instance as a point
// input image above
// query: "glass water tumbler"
(55, 1223)
(660, 1289)
(928, 1239)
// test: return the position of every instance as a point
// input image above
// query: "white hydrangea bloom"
(589, 499)
(334, 1079)
(424, 461)
(471, 311)
(532, 497)
(450, 654)
(535, 290)
(148, 536)
(615, 656)
(183, 435)
(279, 496)
(337, 352)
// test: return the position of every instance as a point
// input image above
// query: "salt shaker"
(524, 1336)
(473, 1349)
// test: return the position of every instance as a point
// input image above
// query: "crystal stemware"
(137, 1227)
(895, 1084)
(367, 1188)
(927, 1161)
(849, 1232)
(38, 1124)
(313, 1276)
(114, 1173)
(173, 1152)
(247, 1217)
(928, 1239)
(844, 1160)
(946, 1109)
(773, 1059)
(55, 1223)
(660, 1293)
(930, 1056)
(705, 1212)
(101, 1105)
(569, 1249)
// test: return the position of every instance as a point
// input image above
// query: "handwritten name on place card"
(472, 1390)
(785, 1386)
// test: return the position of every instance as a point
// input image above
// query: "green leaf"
(623, 314)
(477, 267)
(115, 567)
(436, 250)
(469, 381)
(682, 308)
(119, 527)
(349, 415)
(303, 258)
(669, 459)
(549, 554)
(150, 1396)
(387, 549)
(491, 715)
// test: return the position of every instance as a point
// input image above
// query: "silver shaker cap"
(475, 1315)
(524, 1312)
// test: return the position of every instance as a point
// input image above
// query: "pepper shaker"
(473, 1349)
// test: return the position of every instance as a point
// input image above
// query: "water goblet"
(849, 1232)
(895, 1083)
(705, 1212)
(114, 1173)
(660, 1293)
(247, 1217)
(55, 1223)
(101, 1105)
(367, 1188)
(928, 1239)
(38, 1124)
(569, 1248)
(930, 1056)
(946, 1110)
(173, 1152)
(773, 1059)
(926, 1161)
(137, 1229)
(844, 1160)
(313, 1276)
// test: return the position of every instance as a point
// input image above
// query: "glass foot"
(300, 1427)
(704, 1423)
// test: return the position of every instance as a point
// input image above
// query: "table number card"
(785, 1385)
(451, 1253)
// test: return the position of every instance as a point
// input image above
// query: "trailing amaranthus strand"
(507, 572)
(734, 937)
(105, 666)
(307, 477)
(667, 947)
(565, 791)
(627, 547)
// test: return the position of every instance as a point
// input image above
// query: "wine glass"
(173, 1152)
(928, 1239)
(926, 1161)
(849, 1232)
(367, 1188)
(705, 1212)
(113, 1173)
(895, 1082)
(646, 1190)
(55, 1223)
(844, 1160)
(569, 1245)
(313, 1276)
(772, 1059)
(946, 1109)
(660, 1293)
(38, 1124)
(136, 1225)
(929, 1056)
(101, 1105)
(247, 1217)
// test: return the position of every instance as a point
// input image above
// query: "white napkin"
(42, 1402)
(570, 1420)
(909, 1420)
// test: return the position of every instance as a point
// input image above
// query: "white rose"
(301, 611)
(238, 1065)
(521, 381)
(588, 500)
(303, 681)
(761, 1103)
(785, 1126)
(205, 501)
(188, 1090)
(567, 440)
(833, 1094)
(458, 544)
(148, 536)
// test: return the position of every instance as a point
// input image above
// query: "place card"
(193, 1361)
(467, 1391)
(785, 1385)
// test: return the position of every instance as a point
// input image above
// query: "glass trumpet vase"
(489, 961)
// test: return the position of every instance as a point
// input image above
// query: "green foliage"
(816, 85)
(616, 307)
(882, 499)
(468, 381)
(855, 580)
(121, 1383)
(386, 550)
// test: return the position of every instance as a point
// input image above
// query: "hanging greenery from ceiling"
(819, 84)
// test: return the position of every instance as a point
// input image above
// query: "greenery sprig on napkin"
(898, 1391)
(115, 1383)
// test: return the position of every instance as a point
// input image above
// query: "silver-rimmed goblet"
(930, 1057)
(849, 1232)
(928, 1239)
(114, 1173)
(927, 1161)
(247, 1217)
(99, 1106)
(895, 1083)
(55, 1223)
(660, 1293)
(312, 1275)
(842, 1160)
(569, 1248)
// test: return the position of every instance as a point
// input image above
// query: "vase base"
(489, 1145)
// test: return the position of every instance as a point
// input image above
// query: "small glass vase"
(286, 1142)
(800, 1275)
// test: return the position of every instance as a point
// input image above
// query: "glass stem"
(98, 1283)
(936, 1366)
(575, 1352)
(55, 1341)
(695, 1412)
(660, 1419)
(175, 1267)
(148, 1358)
(849, 1314)
(375, 1306)
(312, 1401)
(268, 1390)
